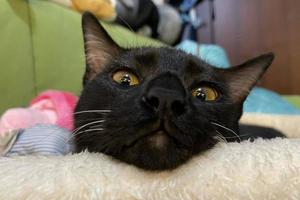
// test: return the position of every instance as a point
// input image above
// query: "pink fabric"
(50, 107)
(63, 103)
(18, 118)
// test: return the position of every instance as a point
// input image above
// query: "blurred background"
(246, 28)
(41, 44)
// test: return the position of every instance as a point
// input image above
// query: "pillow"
(259, 170)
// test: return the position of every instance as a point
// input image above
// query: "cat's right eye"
(205, 93)
(125, 77)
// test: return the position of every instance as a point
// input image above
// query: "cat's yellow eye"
(205, 93)
(125, 78)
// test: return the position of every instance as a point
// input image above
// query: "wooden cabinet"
(247, 28)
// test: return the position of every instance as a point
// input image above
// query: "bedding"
(262, 170)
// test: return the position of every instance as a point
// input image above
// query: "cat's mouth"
(157, 138)
(155, 149)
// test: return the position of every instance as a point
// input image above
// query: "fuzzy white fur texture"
(262, 170)
(287, 124)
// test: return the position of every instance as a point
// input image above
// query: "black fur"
(158, 124)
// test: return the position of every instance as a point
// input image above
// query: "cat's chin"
(157, 151)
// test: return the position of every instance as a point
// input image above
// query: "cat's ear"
(99, 46)
(242, 78)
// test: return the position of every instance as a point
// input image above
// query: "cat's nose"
(165, 94)
(164, 101)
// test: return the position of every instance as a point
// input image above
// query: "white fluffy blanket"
(259, 170)
(288, 124)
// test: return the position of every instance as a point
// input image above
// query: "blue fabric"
(42, 139)
(212, 54)
(259, 100)
(265, 101)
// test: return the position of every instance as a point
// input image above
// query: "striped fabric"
(43, 140)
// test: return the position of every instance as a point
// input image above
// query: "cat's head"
(157, 107)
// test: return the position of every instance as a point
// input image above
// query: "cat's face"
(157, 107)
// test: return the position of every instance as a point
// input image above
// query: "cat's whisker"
(228, 129)
(92, 111)
(85, 125)
(135, 41)
(126, 23)
(232, 136)
(88, 130)
(68, 121)
(220, 137)
(239, 136)
(97, 126)
(89, 134)
(81, 132)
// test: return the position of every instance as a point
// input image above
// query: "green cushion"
(16, 61)
(293, 99)
(42, 48)
(58, 49)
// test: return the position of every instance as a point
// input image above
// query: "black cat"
(155, 108)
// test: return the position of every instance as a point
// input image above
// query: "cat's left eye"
(205, 93)
(125, 78)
